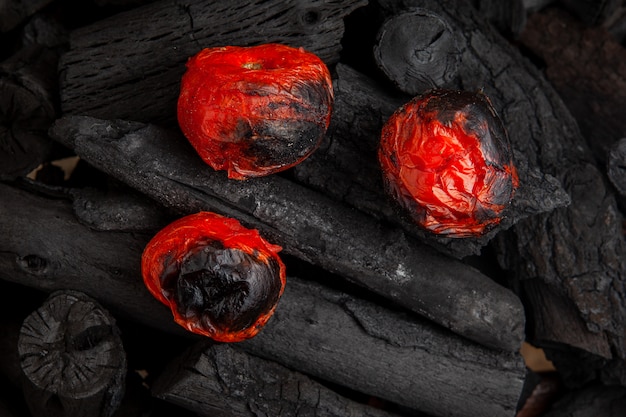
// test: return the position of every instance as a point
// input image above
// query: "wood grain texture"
(72, 358)
(323, 332)
(129, 65)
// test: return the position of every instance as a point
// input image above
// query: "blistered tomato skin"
(220, 279)
(255, 111)
(447, 161)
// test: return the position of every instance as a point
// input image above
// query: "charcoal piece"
(372, 331)
(417, 50)
(587, 67)
(27, 109)
(595, 400)
(62, 253)
(593, 12)
(72, 358)
(15, 12)
(508, 16)
(555, 318)
(330, 334)
(129, 65)
(346, 166)
(118, 210)
(532, 6)
(580, 248)
(308, 225)
(616, 166)
(211, 380)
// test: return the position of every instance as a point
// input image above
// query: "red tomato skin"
(254, 111)
(167, 250)
(447, 162)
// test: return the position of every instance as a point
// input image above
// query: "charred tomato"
(220, 279)
(447, 161)
(255, 111)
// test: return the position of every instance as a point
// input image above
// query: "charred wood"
(593, 12)
(129, 65)
(595, 400)
(15, 12)
(587, 67)
(27, 109)
(317, 330)
(508, 16)
(616, 166)
(346, 166)
(72, 358)
(161, 164)
(218, 379)
(578, 249)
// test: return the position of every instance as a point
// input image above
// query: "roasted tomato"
(447, 161)
(255, 111)
(219, 278)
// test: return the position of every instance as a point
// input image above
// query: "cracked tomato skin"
(255, 111)
(447, 161)
(219, 279)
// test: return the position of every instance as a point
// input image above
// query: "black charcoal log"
(616, 166)
(587, 67)
(417, 51)
(346, 166)
(118, 209)
(129, 66)
(335, 336)
(595, 400)
(578, 249)
(532, 6)
(27, 109)
(72, 358)
(593, 12)
(508, 16)
(15, 12)
(211, 380)
(62, 253)
(162, 164)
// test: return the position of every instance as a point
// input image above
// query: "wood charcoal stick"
(161, 164)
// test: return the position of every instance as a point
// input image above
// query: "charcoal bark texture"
(379, 337)
(587, 66)
(72, 358)
(578, 250)
(15, 12)
(27, 109)
(307, 224)
(508, 16)
(129, 66)
(346, 166)
(593, 12)
(616, 166)
(595, 400)
(118, 209)
(220, 379)
(417, 51)
(62, 253)
(326, 333)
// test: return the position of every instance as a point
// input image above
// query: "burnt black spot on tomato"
(225, 288)
(269, 147)
(219, 278)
